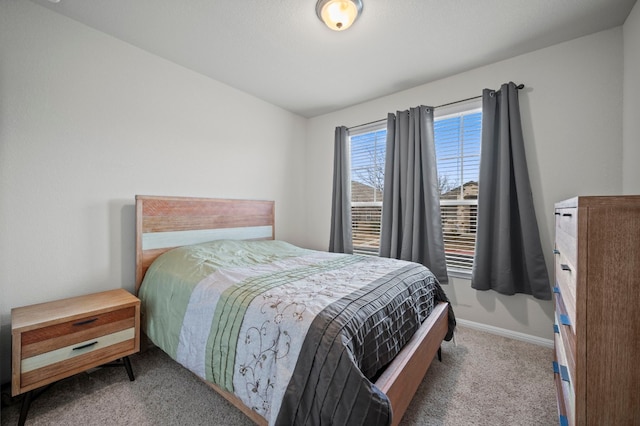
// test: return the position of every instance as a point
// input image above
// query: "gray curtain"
(508, 255)
(341, 240)
(411, 223)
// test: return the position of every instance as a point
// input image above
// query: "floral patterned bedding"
(298, 335)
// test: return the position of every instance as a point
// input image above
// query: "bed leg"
(440, 354)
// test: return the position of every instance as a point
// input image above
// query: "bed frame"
(163, 223)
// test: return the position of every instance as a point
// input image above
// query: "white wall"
(631, 103)
(571, 111)
(86, 123)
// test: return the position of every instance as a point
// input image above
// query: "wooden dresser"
(597, 310)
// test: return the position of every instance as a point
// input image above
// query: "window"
(457, 136)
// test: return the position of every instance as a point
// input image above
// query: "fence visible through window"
(366, 218)
(459, 220)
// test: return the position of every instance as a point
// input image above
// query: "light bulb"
(339, 14)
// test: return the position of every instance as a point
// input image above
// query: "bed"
(287, 335)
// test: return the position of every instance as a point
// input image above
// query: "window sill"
(458, 273)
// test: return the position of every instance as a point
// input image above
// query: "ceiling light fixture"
(338, 14)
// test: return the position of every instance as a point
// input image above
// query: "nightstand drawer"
(82, 354)
(58, 336)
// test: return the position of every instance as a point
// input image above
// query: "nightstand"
(55, 340)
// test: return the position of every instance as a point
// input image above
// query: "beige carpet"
(483, 379)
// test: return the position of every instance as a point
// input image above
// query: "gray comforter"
(350, 341)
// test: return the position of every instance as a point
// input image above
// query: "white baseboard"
(506, 333)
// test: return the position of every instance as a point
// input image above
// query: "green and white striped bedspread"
(239, 313)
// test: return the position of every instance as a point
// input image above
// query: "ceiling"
(278, 50)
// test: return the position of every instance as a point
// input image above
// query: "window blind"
(457, 139)
(367, 180)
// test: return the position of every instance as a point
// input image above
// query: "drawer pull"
(556, 289)
(564, 320)
(556, 367)
(556, 251)
(85, 346)
(563, 420)
(565, 267)
(556, 329)
(567, 214)
(89, 321)
(557, 213)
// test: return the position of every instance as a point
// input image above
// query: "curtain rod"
(519, 87)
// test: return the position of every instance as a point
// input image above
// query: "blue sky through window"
(457, 141)
(367, 158)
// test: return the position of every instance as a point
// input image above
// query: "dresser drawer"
(567, 220)
(566, 249)
(566, 283)
(564, 343)
(565, 396)
(81, 355)
(563, 405)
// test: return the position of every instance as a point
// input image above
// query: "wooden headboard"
(163, 223)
